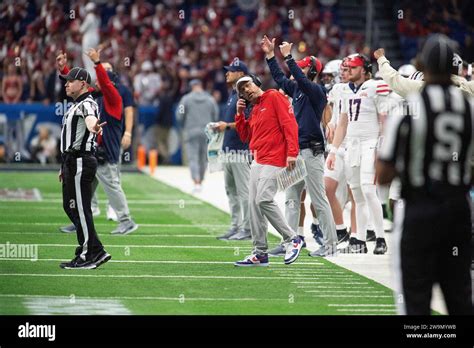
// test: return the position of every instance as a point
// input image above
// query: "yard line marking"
(64, 305)
(151, 246)
(139, 276)
(111, 225)
(345, 291)
(156, 261)
(360, 305)
(385, 310)
(78, 297)
(333, 287)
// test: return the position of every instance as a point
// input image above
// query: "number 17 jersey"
(362, 104)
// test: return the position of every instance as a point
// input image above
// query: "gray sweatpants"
(109, 176)
(263, 209)
(236, 178)
(315, 187)
(196, 151)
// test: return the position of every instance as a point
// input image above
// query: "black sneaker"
(380, 246)
(101, 258)
(370, 236)
(78, 263)
(342, 235)
(317, 234)
(355, 247)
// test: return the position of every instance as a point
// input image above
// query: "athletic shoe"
(370, 236)
(324, 251)
(241, 235)
(253, 261)
(317, 234)
(380, 246)
(342, 235)
(293, 250)
(95, 211)
(302, 238)
(101, 258)
(279, 250)
(387, 225)
(355, 247)
(68, 229)
(111, 214)
(228, 234)
(78, 263)
(125, 227)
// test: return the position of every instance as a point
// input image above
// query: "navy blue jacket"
(231, 138)
(309, 100)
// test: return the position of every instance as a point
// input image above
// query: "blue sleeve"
(287, 85)
(127, 98)
(313, 90)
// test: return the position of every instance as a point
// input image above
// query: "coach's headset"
(257, 81)
(312, 72)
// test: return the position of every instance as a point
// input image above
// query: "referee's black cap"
(437, 55)
(80, 74)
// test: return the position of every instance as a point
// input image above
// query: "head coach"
(309, 100)
(272, 133)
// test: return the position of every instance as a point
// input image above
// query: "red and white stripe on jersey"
(383, 89)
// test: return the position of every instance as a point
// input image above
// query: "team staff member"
(272, 132)
(236, 165)
(110, 107)
(431, 151)
(309, 100)
(78, 169)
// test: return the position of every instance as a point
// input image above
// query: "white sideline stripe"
(362, 296)
(77, 298)
(108, 234)
(132, 201)
(351, 283)
(368, 292)
(385, 310)
(333, 287)
(63, 305)
(155, 261)
(153, 246)
(135, 276)
(360, 305)
(105, 224)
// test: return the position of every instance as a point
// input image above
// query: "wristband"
(288, 57)
(333, 150)
(128, 133)
(97, 63)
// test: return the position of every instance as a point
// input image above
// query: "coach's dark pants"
(436, 248)
(78, 174)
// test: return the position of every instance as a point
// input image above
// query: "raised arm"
(242, 125)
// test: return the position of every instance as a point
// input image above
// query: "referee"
(431, 150)
(78, 169)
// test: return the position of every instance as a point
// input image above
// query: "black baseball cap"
(437, 55)
(80, 74)
(237, 65)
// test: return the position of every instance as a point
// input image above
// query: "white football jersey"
(362, 106)
(334, 97)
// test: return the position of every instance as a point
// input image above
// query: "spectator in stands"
(147, 85)
(12, 85)
(90, 35)
(43, 147)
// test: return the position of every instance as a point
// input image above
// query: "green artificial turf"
(172, 264)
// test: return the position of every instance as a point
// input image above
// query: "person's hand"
(331, 161)
(379, 53)
(126, 140)
(98, 127)
(94, 54)
(220, 127)
(241, 105)
(61, 60)
(268, 46)
(285, 48)
(290, 162)
(60, 175)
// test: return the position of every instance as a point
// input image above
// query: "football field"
(172, 264)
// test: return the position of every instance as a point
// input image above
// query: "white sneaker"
(111, 214)
(387, 225)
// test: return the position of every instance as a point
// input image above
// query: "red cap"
(355, 61)
(306, 61)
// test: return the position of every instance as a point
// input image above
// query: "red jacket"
(271, 129)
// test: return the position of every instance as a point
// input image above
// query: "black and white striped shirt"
(432, 148)
(74, 133)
